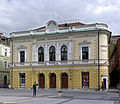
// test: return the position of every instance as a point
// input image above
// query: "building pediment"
(51, 26)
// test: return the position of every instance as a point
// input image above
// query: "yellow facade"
(74, 72)
(94, 68)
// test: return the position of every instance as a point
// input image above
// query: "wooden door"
(53, 81)
(41, 81)
(64, 80)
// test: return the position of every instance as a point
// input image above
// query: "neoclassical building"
(70, 55)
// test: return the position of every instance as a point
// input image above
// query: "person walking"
(34, 89)
(103, 86)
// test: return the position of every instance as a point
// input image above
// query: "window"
(52, 53)
(64, 53)
(22, 56)
(41, 54)
(85, 53)
(22, 80)
(5, 52)
(5, 64)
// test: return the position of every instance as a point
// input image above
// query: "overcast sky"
(17, 15)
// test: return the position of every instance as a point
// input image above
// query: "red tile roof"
(71, 24)
(2, 36)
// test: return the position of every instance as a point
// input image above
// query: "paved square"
(50, 96)
(60, 101)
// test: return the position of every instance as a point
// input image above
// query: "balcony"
(60, 63)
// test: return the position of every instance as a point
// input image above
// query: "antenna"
(53, 10)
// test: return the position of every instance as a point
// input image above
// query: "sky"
(21, 15)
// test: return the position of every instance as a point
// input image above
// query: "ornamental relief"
(22, 47)
(61, 44)
(84, 43)
(37, 46)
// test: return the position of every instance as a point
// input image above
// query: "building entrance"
(41, 81)
(52, 80)
(64, 80)
(5, 81)
(22, 80)
(104, 81)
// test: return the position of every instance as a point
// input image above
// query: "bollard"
(119, 91)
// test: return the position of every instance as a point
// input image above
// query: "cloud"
(17, 15)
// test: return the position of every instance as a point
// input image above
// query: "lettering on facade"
(54, 38)
(41, 39)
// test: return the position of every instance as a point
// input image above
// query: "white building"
(4, 62)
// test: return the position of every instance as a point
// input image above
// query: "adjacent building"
(70, 55)
(115, 38)
(115, 66)
(4, 61)
(113, 42)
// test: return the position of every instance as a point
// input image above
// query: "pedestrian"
(34, 89)
(102, 85)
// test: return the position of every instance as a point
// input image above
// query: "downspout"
(98, 61)
(12, 62)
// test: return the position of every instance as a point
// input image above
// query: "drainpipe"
(98, 61)
(12, 62)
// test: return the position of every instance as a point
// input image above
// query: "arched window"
(52, 53)
(64, 53)
(41, 54)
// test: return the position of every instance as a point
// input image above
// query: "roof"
(64, 25)
(114, 36)
(2, 36)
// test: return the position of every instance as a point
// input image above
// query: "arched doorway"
(5, 81)
(41, 81)
(64, 80)
(52, 80)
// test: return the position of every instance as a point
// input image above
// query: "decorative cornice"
(68, 65)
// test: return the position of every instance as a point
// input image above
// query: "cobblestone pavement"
(50, 96)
